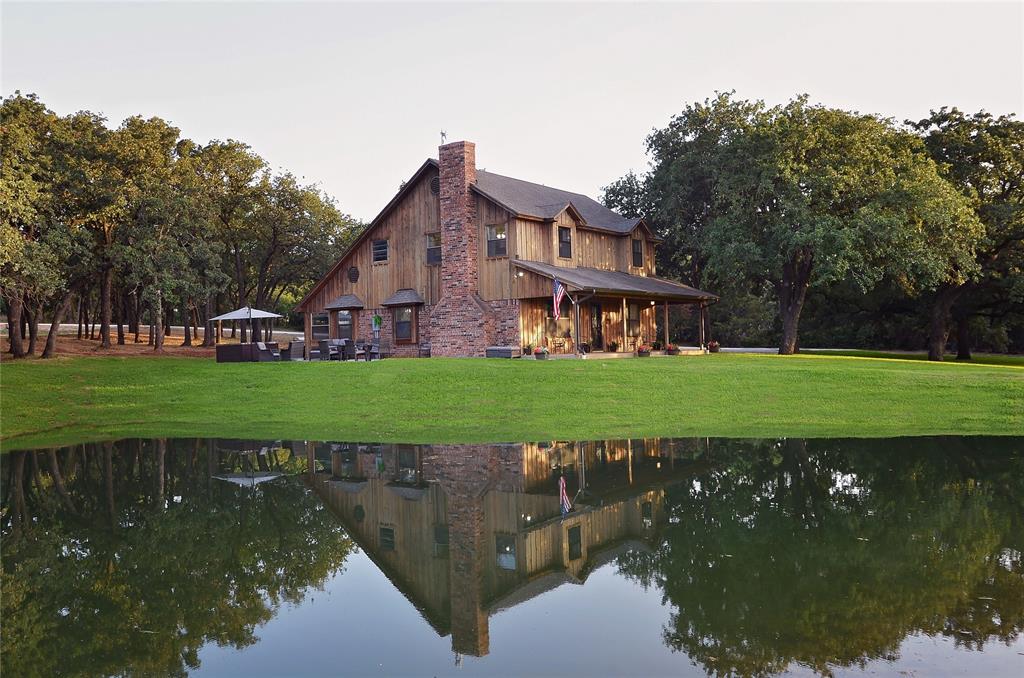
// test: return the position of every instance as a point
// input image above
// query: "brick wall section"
(387, 332)
(461, 324)
(505, 314)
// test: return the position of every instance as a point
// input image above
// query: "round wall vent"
(353, 274)
(435, 185)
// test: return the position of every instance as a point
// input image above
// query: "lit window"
(497, 243)
(505, 545)
(564, 242)
(380, 251)
(638, 253)
(633, 320)
(405, 324)
(433, 249)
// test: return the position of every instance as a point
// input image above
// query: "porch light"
(652, 302)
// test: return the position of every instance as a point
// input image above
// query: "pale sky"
(353, 96)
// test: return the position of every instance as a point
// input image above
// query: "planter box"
(503, 352)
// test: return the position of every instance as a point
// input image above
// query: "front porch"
(602, 311)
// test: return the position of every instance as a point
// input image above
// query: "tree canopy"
(137, 222)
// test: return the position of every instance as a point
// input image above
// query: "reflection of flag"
(557, 293)
(563, 498)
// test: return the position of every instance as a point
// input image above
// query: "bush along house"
(463, 260)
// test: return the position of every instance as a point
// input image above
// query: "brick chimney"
(460, 323)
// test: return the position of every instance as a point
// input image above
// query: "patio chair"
(425, 349)
(348, 349)
(268, 352)
(295, 350)
(328, 352)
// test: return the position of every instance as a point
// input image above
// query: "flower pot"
(643, 354)
(713, 349)
(540, 356)
(672, 351)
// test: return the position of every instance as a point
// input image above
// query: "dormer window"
(638, 253)
(564, 242)
(380, 251)
(497, 242)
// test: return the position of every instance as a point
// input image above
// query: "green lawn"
(976, 359)
(438, 400)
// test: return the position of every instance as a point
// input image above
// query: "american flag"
(563, 498)
(557, 293)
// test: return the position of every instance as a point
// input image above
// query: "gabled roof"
(525, 198)
(346, 302)
(404, 297)
(616, 282)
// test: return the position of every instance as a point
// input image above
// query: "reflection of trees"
(127, 558)
(830, 553)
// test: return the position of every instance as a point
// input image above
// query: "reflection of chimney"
(466, 472)
(466, 549)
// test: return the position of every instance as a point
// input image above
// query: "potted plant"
(613, 346)
(713, 346)
(540, 353)
(643, 351)
(656, 345)
(671, 349)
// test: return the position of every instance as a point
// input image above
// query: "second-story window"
(638, 253)
(564, 242)
(433, 249)
(497, 243)
(380, 251)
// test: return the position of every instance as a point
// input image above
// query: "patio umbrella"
(245, 313)
(248, 479)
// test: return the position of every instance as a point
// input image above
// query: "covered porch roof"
(346, 302)
(617, 283)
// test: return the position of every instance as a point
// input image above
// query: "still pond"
(679, 557)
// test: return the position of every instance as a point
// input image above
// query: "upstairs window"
(575, 543)
(633, 320)
(387, 538)
(433, 249)
(380, 251)
(497, 243)
(638, 253)
(505, 548)
(564, 242)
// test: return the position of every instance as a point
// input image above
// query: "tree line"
(139, 225)
(871, 232)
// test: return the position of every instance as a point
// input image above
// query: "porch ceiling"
(617, 283)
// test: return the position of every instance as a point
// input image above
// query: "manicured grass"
(976, 359)
(437, 400)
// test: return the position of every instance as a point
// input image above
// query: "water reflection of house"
(467, 530)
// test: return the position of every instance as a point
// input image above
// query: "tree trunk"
(55, 321)
(33, 328)
(106, 289)
(158, 318)
(963, 338)
(938, 332)
(14, 310)
(209, 329)
(186, 319)
(81, 314)
(796, 275)
(121, 312)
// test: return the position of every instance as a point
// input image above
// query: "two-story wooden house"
(464, 259)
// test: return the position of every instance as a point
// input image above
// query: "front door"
(596, 328)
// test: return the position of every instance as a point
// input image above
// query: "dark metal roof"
(544, 202)
(616, 282)
(346, 302)
(403, 297)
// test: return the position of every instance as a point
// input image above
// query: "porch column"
(354, 314)
(666, 326)
(332, 324)
(623, 346)
(700, 328)
(307, 331)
